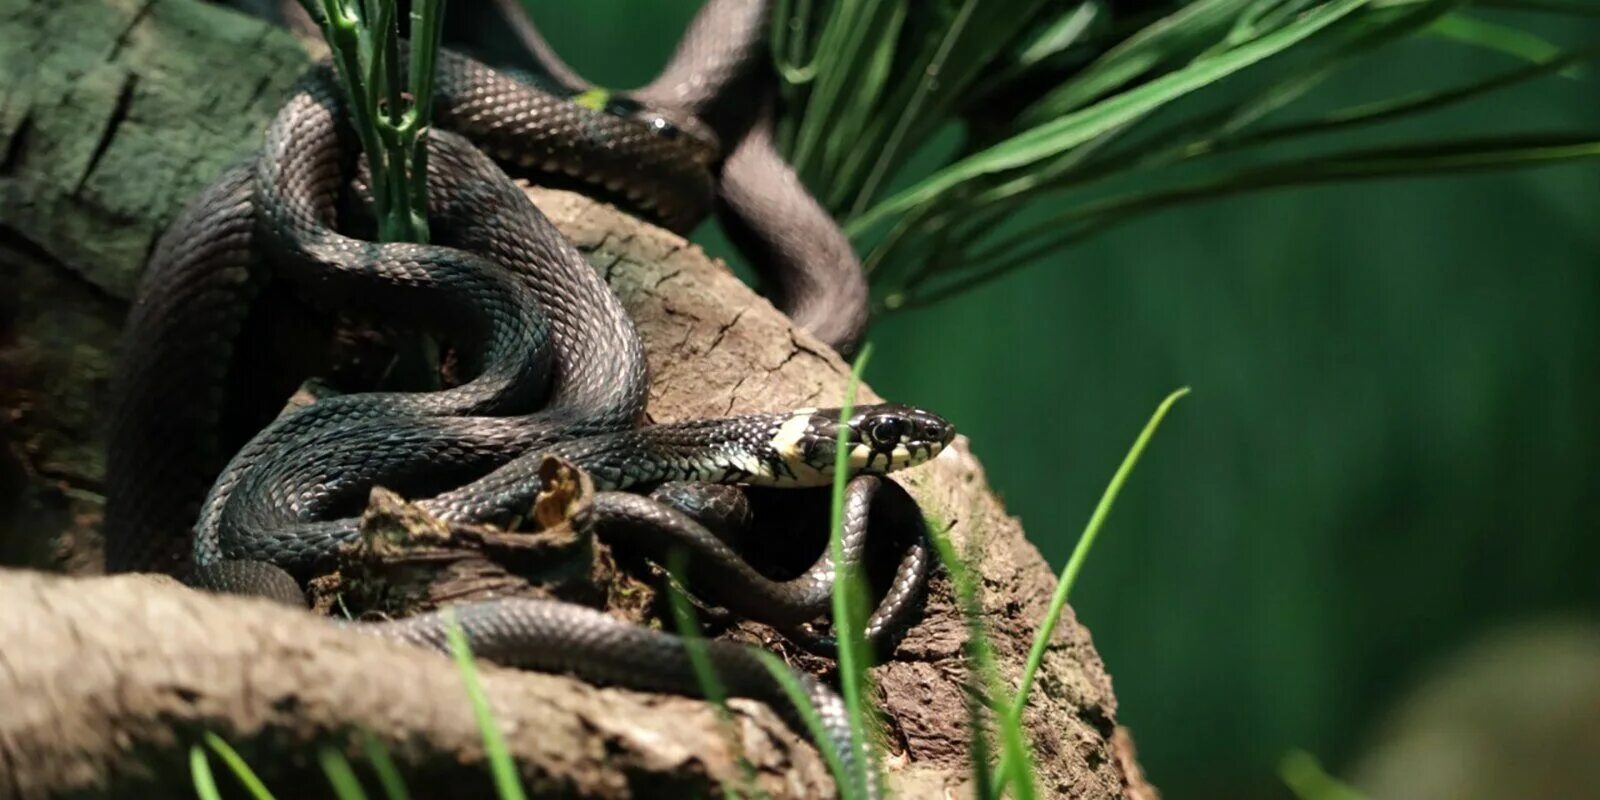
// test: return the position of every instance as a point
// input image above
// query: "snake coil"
(554, 365)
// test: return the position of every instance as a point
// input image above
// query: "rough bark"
(107, 681)
(112, 115)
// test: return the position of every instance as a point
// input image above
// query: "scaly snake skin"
(555, 366)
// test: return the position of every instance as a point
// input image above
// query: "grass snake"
(555, 366)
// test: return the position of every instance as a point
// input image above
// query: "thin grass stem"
(1080, 555)
(341, 776)
(235, 763)
(394, 787)
(852, 656)
(504, 769)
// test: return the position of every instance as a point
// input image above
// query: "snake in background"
(553, 365)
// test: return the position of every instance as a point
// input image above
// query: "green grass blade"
(1057, 136)
(847, 38)
(1203, 133)
(1171, 38)
(427, 34)
(848, 789)
(247, 776)
(1418, 159)
(989, 693)
(1300, 771)
(852, 656)
(1365, 32)
(1080, 554)
(889, 154)
(694, 645)
(1422, 102)
(1065, 32)
(705, 673)
(1577, 8)
(341, 776)
(1504, 39)
(394, 787)
(1436, 157)
(1261, 17)
(508, 785)
(205, 784)
(861, 110)
(791, 24)
(1360, 34)
(384, 72)
(888, 74)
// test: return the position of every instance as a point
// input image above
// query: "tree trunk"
(113, 114)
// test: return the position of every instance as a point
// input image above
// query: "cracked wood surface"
(113, 115)
(106, 681)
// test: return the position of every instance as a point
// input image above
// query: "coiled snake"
(554, 364)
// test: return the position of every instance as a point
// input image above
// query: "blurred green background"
(1389, 451)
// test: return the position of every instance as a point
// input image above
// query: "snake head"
(661, 123)
(881, 438)
(888, 437)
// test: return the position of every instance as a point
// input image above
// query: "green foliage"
(1505, 39)
(987, 694)
(848, 788)
(394, 788)
(200, 768)
(711, 687)
(1057, 135)
(205, 784)
(694, 644)
(1048, 106)
(1080, 555)
(1306, 778)
(390, 114)
(341, 776)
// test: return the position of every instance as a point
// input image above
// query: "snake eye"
(664, 128)
(622, 106)
(887, 432)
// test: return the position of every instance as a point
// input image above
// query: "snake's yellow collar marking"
(593, 99)
(787, 444)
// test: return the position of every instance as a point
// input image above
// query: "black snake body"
(554, 364)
